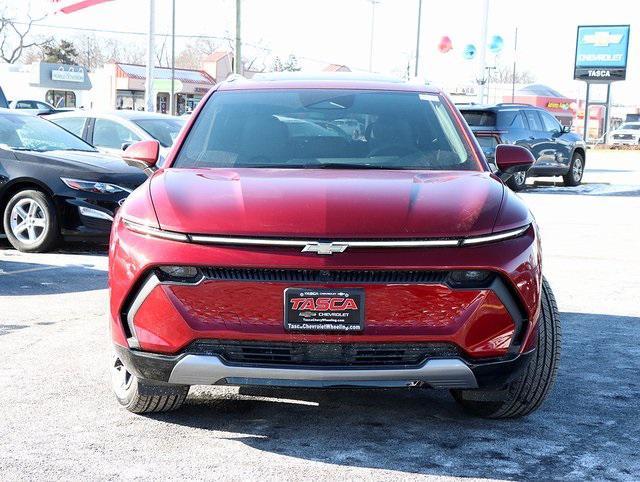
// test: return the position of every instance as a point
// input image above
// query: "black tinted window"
(533, 120)
(479, 118)
(550, 122)
(511, 119)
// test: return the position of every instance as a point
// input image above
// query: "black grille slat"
(322, 354)
(324, 276)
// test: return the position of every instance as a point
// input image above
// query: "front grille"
(324, 276)
(322, 354)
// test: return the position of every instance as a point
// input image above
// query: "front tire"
(525, 394)
(518, 181)
(30, 222)
(576, 171)
(140, 396)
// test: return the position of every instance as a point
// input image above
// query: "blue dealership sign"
(601, 53)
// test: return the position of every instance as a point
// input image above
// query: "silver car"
(112, 132)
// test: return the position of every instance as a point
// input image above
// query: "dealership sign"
(69, 74)
(601, 53)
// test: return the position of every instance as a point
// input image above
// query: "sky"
(338, 31)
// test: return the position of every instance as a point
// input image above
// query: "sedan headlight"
(93, 186)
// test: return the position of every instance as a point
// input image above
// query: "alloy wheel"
(28, 221)
(520, 178)
(121, 379)
(578, 168)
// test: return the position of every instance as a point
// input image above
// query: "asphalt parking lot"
(59, 419)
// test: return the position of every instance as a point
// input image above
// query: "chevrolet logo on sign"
(325, 248)
(602, 39)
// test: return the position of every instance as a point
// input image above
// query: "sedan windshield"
(31, 133)
(164, 131)
(326, 129)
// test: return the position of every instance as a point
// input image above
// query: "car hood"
(326, 204)
(88, 166)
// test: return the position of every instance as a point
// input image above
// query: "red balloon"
(445, 44)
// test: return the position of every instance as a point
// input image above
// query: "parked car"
(557, 150)
(112, 132)
(54, 185)
(628, 134)
(258, 255)
(3, 100)
(36, 107)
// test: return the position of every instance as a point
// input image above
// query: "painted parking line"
(28, 270)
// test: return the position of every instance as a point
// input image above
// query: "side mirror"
(511, 159)
(566, 129)
(143, 154)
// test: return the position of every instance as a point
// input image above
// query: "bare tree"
(503, 74)
(14, 40)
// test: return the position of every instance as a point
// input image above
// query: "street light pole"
(172, 100)
(148, 86)
(237, 64)
(373, 22)
(483, 49)
(418, 36)
(515, 59)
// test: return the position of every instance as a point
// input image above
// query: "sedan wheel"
(30, 221)
(517, 181)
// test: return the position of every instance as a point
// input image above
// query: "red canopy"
(70, 6)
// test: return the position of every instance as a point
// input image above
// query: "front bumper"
(450, 373)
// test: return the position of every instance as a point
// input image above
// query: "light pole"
(483, 48)
(148, 85)
(237, 64)
(373, 22)
(418, 36)
(172, 100)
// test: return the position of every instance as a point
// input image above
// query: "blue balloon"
(469, 51)
(496, 44)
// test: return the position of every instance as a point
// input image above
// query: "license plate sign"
(324, 310)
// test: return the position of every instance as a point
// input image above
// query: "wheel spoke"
(32, 208)
(21, 212)
(20, 227)
(39, 222)
(31, 232)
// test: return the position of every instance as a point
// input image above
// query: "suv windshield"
(164, 131)
(634, 127)
(326, 129)
(31, 133)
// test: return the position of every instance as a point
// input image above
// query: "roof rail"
(515, 103)
(235, 77)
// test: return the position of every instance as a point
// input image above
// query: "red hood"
(326, 204)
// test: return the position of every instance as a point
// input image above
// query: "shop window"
(61, 98)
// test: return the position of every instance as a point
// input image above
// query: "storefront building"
(563, 108)
(122, 86)
(61, 85)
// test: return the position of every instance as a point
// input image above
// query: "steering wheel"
(393, 150)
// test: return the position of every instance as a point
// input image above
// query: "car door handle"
(531, 138)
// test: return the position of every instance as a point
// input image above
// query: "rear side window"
(75, 125)
(479, 118)
(534, 120)
(511, 119)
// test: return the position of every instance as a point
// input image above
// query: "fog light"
(471, 277)
(182, 272)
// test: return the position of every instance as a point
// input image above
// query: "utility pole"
(237, 64)
(515, 58)
(483, 49)
(418, 36)
(149, 101)
(373, 23)
(172, 100)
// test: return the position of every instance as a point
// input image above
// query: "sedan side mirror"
(566, 129)
(511, 159)
(143, 154)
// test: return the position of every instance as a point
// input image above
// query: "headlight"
(93, 186)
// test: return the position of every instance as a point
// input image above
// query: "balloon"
(496, 44)
(445, 44)
(469, 51)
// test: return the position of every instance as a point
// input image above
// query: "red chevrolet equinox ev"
(329, 232)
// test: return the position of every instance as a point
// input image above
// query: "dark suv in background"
(558, 152)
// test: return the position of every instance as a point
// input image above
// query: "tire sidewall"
(51, 231)
(570, 178)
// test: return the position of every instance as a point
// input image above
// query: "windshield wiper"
(75, 149)
(344, 165)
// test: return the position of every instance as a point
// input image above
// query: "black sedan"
(53, 185)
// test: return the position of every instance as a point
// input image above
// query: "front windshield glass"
(630, 126)
(326, 129)
(31, 133)
(164, 131)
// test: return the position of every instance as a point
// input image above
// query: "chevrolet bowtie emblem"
(325, 248)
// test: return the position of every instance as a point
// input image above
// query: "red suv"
(336, 232)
